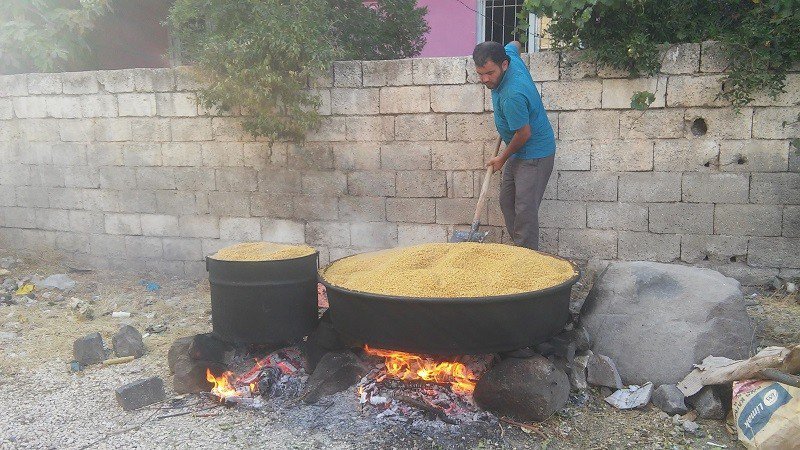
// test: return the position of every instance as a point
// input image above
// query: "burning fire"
(223, 388)
(411, 367)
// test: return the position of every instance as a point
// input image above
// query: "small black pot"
(263, 302)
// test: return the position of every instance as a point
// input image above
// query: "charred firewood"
(433, 410)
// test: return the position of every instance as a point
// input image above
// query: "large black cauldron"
(450, 326)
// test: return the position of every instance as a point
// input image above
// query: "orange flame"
(222, 385)
(410, 367)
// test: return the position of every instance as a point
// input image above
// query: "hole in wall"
(705, 258)
(699, 127)
(707, 164)
(733, 259)
(741, 160)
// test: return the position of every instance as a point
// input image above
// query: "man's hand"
(496, 163)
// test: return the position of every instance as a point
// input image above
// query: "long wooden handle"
(487, 178)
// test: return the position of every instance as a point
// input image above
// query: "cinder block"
(236, 179)
(686, 155)
(81, 176)
(406, 155)
(413, 210)
(616, 216)
(362, 209)
(420, 127)
(622, 156)
(219, 204)
(413, 234)
(455, 211)
(576, 64)
(277, 183)
(717, 249)
(182, 249)
(544, 65)
(323, 96)
(187, 78)
(76, 130)
(789, 97)
(79, 83)
(355, 101)
(143, 247)
(30, 107)
(137, 104)
(103, 200)
(682, 218)
(768, 123)
(701, 90)
(572, 94)
(14, 85)
(775, 188)
(356, 156)
(397, 72)
(457, 156)
(713, 57)
(429, 71)
(51, 219)
(587, 186)
(680, 58)
(650, 187)
(323, 183)
(151, 129)
(379, 183)
(222, 154)
(373, 234)
(155, 178)
(721, 123)
(257, 154)
(461, 184)
(38, 130)
(754, 156)
(617, 93)
(748, 220)
(347, 73)
(44, 83)
(791, 221)
(421, 183)
(774, 252)
(457, 98)
(140, 393)
(715, 188)
(63, 107)
(73, 242)
(271, 206)
(194, 178)
(198, 226)
(181, 154)
(331, 129)
(66, 198)
(240, 228)
(470, 127)
(315, 208)
(98, 106)
(115, 81)
(573, 155)
(127, 224)
(144, 154)
(587, 243)
(180, 104)
(577, 125)
(157, 80)
(636, 246)
(370, 128)
(283, 231)
(652, 124)
(562, 214)
(6, 109)
(229, 129)
(30, 196)
(191, 129)
(112, 130)
(332, 234)
(406, 99)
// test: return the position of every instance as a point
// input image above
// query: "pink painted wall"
(452, 27)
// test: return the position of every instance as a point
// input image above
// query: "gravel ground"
(44, 405)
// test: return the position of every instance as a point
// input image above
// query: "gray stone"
(178, 349)
(710, 403)
(657, 320)
(89, 349)
(690, 427)
(601, 371)
(190, 374)
(128, 342)
(59, 281)
(529, 389)
(335, 372)
(140, 393)
(670, 399)
(207, 347)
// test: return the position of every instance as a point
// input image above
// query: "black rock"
(128, 342)
(207, 347)
(529, 389)
(89, 349)
(670, 399)
(179, 348)
(140, 393)
(710, 403)
(190, 374)
(335, 372)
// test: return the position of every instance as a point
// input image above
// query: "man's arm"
(521, 136)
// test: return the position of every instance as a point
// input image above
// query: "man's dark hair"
(489, 50)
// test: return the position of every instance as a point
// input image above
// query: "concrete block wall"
(123, 169)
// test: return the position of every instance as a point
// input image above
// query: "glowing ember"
(223, 388)
(411, 367)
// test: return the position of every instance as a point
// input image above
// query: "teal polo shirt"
(517, 103)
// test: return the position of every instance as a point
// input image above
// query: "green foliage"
(260, 54)
(47, 35)
(760, 37)
(642, 100)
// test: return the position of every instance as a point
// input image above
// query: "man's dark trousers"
(521, 192)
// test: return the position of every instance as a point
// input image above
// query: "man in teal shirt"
(521, 121)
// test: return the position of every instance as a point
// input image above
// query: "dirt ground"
(45, 405)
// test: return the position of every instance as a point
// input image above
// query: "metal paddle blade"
(468, 236)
